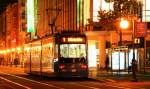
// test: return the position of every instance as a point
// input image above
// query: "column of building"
(102, 51)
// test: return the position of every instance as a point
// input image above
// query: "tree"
(122, 8)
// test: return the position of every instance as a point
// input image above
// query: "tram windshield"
(72, 50)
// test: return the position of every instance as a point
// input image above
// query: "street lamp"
(124, 24)
(134, 63)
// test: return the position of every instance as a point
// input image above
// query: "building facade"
(39, 18)
(58, 15)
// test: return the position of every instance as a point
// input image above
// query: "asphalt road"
(10, 80)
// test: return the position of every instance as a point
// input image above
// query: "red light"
(84, 66)
(61, 66)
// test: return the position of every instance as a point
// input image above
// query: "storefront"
(121, 58)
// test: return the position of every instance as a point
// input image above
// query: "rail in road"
(27, 83)
(14, 78)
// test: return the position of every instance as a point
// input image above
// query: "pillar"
(102, 51)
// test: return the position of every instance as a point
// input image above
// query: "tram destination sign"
(73, 40)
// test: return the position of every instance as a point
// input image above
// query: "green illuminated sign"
(30, 16)
(79, 11)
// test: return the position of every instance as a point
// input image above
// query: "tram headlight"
(56, 59)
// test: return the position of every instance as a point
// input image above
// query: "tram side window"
(50, 51)
(56, 53)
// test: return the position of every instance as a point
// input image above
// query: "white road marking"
(108, 84)
(85, 86)
(50, 85)
(15, 83)
(111, 80)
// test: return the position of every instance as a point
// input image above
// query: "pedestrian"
(107, 63)
(134, 65)
(134, 70)
(16, 62)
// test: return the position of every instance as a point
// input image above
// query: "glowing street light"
(124, 24)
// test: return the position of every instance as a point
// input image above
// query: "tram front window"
(72, 53)
(72, 50)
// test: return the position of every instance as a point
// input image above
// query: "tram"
(61, 55)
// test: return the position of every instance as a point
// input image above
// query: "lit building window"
(30, 16)
(146, 11)
(83, 11)
(79, 11)
(86, 11)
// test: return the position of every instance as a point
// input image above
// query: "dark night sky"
(4, 3)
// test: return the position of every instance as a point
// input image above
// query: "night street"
(13, 78)
(74, 44)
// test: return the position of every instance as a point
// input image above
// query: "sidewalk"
(119, 76)
(12, 69)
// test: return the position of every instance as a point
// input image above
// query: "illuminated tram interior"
(50, 56)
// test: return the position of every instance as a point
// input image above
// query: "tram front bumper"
(72, 73)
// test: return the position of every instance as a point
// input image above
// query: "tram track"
(27, 83)
(25, 87)
(21, 81)
(17, 81)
